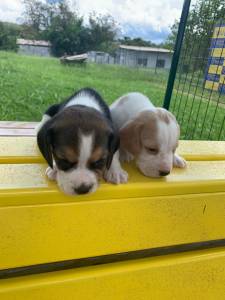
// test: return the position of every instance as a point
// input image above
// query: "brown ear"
(130, 137)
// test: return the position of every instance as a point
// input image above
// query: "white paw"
(179, 162)
(116, 176)
(51, 173)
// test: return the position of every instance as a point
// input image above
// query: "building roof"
(33, 43)
(145, 49)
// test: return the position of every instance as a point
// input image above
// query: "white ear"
(179, 162)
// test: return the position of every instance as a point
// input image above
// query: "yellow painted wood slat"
(193, 275)
(36, 234)
(22, 184)
(24, 150)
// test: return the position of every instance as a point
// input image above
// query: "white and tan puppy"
(148, 134)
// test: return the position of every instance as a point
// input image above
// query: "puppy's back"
(128, 107)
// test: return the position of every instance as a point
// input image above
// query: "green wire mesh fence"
(198, 97)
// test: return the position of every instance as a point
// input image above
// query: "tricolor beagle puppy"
(148, 134)
(78, 140)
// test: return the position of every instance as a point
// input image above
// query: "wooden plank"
(193, 275)
(24, 149)
(17, 124)
(19, 150)
(17, 132)
(36, 234)
(22, 184)
(202, 150)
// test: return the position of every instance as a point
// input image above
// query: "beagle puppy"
(148, 134)
(78, 141)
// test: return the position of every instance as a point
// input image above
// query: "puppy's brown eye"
(98, 164)
(153, 151)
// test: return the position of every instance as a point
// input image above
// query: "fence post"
(176, 54)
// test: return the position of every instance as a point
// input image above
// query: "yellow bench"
(148, 239)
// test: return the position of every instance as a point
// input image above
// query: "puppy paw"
(116, 176)
(51, 173)
(179, 162)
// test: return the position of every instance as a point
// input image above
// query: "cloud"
(147, 18)
(10, 10)
(150, 19)
(145, 32)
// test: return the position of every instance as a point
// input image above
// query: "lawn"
(28, 85)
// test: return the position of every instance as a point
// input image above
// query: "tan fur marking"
(97, 154)
(164, 115)
(142, 131)
(68, 153)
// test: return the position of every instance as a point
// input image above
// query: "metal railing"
(196, 85)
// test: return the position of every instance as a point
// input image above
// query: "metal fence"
(198, 95)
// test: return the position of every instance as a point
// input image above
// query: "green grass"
(28, 85)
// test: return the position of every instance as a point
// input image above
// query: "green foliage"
(103, 32)
(65, 28)
(199, 29)
(37, 14)
(171, 39)
(8, 35)
(136, 42)
(66, 32)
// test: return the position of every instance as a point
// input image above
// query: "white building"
(100, 57)
(144, 57)
(33, 47)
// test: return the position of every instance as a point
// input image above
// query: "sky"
(148, 19)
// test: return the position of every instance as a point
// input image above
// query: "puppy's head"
(80, 141)
(152, 137)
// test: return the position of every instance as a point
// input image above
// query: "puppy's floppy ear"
(44, 142)
(130, 137)
(113, 146)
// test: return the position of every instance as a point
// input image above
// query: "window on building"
(160, 63)
(100, 53)
(142, 62)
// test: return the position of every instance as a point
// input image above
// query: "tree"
(37, 16)
(103, 32)
(136, 42)
(64, 27)
(171, 39)
(199, 29)
(66, 31)
(8, 35)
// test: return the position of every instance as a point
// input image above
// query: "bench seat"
(148, 239)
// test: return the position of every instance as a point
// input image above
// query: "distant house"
(100, 57)
(144, 57)
(33, 47)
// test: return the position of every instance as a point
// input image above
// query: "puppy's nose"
(83, 189)
(164, 173)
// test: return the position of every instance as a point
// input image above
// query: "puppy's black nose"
(83, 189)
(164, 173)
